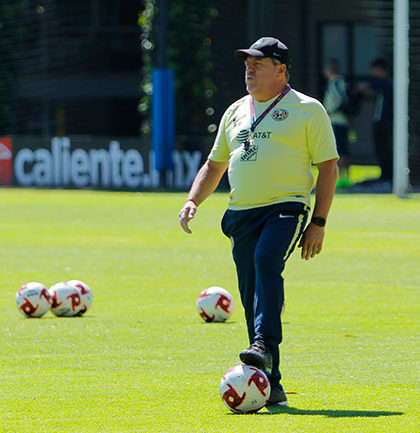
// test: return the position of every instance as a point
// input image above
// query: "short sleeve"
(220, 151)
(320, 135)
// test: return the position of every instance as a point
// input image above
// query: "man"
(382, 90)
(267, 141)
(335, 98)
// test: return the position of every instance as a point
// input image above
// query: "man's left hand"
(311, 241)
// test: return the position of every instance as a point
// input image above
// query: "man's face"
(327, 72)
(260, 73)
(378, 72)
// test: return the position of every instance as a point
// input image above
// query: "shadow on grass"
(229, 322)
(330, 413)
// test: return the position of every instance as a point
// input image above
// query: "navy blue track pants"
(262, 240)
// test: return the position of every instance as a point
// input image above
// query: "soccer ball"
(244, 389)
(86, 296)
(215, 304)
(66, 300)
(33, 299)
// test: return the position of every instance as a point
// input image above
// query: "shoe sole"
(252, 359)
(279, 403)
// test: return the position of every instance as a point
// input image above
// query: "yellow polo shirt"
(277, 166)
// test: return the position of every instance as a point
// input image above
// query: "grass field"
(143, 361)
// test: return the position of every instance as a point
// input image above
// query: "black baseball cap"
(266, 47)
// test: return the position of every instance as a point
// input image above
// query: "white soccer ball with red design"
(66, 300)
(245, 389)
(215, 304)
(86, 296)
(33, 299)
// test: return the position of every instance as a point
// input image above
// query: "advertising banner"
(6, 161)
(116, 165)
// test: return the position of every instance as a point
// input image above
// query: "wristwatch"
(319, 221)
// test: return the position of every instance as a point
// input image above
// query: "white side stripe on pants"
(295, 236)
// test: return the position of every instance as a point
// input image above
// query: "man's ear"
(282, 69)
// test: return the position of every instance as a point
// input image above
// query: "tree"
(189, 55)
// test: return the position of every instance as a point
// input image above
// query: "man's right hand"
(186, 214)
(204, 184)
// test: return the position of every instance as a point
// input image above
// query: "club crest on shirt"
(250, 154)
(280, 114)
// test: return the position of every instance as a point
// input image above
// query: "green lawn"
(143, 361)
(358, 173)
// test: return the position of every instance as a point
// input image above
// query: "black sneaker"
(258, 355)
(277, 396)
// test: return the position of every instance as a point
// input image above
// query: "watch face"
(319, 221)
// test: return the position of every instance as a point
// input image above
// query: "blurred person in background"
(335, 99)
(381, 90)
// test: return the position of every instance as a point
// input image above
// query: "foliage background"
(189, 55)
